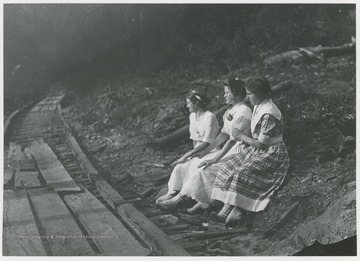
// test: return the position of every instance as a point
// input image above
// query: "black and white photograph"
(179, 129)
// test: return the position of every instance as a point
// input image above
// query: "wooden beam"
(27, 164)
(110, 235)
(84, 162)
(9, 119)
(61, 232)
(153, 236)
(20, 230)
(51, 168)
(216, 233)
(110, 195)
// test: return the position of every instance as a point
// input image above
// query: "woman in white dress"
(202, 168)
(203, 128)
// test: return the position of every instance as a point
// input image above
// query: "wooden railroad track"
(56, 202)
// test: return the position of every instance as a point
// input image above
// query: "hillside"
(319, 109)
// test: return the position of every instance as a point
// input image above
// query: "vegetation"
(44, 43)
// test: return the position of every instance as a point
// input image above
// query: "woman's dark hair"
(260, 86)
(199, 98)
(236, 86)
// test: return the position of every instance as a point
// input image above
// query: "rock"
(351, 185)
(347, 146)
(326, 229)
(346, 247)
(164, 220)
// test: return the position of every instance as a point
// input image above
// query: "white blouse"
(233, 117)
(204, 129)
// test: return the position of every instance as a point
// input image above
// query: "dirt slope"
(317, 200)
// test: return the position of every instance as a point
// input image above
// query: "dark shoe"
(213, 216)
(198, 208)
(171, 204)
(236, 218)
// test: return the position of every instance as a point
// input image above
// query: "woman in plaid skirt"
(248, 180)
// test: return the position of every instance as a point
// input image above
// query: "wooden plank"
(51, 168)
(155, 212)
(219, 233)
(153, 236)
(61, 232)
(176, 228)
(27, 164)
(85, 163)
(20, 231)
(9, 120)
(27, 179)
(110, 195)
(110, 235)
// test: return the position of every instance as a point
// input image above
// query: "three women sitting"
(249, 168)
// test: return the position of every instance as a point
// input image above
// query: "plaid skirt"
(249, 179)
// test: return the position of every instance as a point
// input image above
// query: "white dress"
(205, 129)
(197, 183)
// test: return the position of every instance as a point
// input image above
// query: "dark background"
(44, 43)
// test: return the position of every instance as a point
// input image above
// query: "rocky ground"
(317, 200)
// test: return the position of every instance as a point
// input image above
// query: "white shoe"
(165, 197)
(171, 204)
(200, 206)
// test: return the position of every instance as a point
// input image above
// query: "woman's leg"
(222, 215)
(236, 217)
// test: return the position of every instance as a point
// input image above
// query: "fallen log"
(348, 48)
(183, 132)
(179, 134)
(310, 54)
